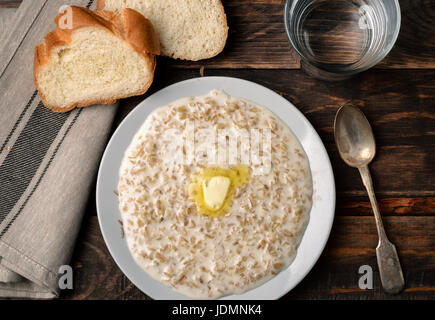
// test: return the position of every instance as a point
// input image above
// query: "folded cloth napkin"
(48, 163)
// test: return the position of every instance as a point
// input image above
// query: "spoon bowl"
(354, 136)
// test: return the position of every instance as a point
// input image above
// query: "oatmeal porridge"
(215, 194)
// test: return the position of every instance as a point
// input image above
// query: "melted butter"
(215, 191)
(238, 176)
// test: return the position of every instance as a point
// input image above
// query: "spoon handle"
(388, 260)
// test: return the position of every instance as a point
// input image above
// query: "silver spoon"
(357, 147)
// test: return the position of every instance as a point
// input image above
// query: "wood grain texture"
(257, 37)
(10, 3)
(335, 276)
(415, 46)
(352, 206)
(399, 104)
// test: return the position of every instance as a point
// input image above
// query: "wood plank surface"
(257, 37)
(398, 97)
(10, 3)
(415, 46)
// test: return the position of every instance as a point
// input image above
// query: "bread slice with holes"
(189, 30)
(95, 58)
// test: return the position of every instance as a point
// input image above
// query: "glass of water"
(339, 38)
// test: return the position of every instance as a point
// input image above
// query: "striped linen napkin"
(48, 163)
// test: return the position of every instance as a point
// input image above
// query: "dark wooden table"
(398, 98)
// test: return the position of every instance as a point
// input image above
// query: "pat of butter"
(215, 190)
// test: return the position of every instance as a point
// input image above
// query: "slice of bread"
(95, 58)
(188, 29)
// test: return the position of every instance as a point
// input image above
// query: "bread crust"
(129, 25)
(226, 30)
(101, 4)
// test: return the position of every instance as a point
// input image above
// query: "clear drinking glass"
(339, 38)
